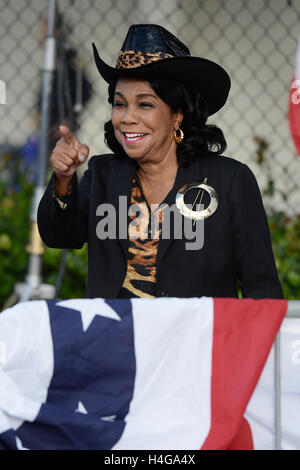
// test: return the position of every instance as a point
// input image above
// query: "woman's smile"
(133, 137)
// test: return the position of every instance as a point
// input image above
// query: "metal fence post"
(277, 393)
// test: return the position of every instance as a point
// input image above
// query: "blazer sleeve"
(66, 228)
(254, 260)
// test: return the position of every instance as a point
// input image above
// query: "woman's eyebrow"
(117, 93)
(139, 95)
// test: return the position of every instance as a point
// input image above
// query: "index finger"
(66, 134)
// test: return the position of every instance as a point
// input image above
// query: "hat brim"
(209, 78)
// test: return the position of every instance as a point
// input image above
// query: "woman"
(161, 98)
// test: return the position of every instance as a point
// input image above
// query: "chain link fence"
(254, 41)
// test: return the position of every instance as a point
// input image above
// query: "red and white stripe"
(294, 104)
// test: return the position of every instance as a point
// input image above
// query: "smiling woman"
(198, 136)
(162, 147)
(144, 124)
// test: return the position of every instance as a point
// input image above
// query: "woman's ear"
(179, 119)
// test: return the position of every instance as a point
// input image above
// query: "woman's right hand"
(66, 157)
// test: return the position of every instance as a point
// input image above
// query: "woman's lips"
(133, 138)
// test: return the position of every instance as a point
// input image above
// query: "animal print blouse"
(144, 233)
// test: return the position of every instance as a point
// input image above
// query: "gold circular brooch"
(194, 214)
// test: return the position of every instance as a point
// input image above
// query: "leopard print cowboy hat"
(150, 51)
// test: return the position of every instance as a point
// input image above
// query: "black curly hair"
(199, 137)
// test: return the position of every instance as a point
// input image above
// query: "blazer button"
(164, 293)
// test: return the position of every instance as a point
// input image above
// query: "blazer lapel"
(118, 194)
(184, 176)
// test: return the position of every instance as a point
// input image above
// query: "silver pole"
(33, 287)
(48, 76)
(277, 394)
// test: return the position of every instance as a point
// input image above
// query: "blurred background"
(256, 42)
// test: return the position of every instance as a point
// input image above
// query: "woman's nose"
(129, 115)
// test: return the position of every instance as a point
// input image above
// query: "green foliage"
(14, 229)
(285, 233)
(75, 274)
(15, 204)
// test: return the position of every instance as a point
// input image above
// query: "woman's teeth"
(134, 137)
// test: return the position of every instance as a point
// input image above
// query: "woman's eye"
(118, 104)
(146, 105)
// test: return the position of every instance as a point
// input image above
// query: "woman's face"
(143, 123)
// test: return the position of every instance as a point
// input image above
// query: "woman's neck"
(157, 179)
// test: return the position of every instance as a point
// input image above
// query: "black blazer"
(236, 246)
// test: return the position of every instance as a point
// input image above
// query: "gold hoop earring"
(178, 137)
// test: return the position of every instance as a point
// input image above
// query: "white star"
(109, 418)
(20, 445)
(81, 408)
(89, 308)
